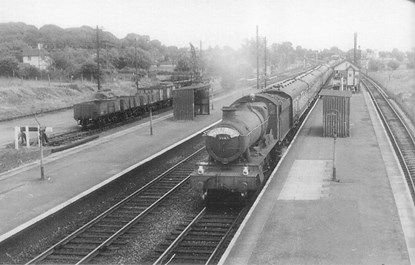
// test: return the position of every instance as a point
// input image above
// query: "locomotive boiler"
(241, 127)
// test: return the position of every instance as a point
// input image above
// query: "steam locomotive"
(246, 143)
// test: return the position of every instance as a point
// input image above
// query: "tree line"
(73, 53)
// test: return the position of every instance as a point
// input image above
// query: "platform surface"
(303, 217)
(73, 173)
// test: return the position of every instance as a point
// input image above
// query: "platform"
(74, 173)
(303, 217)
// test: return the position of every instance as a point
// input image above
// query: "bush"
(28, 71)
(8, 65)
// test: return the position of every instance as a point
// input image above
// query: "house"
(37, 57)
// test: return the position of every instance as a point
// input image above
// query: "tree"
(393, 65)
(183, 65)
(374, 65)
(397, 55)
(28, 71)
(411, 59)
(8, 66)
(90, 70)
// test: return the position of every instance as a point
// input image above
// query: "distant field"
(19, 97)
(400, 85)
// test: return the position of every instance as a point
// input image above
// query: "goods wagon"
(109, 108)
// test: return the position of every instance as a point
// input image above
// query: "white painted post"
(16, 137)
(27, 137)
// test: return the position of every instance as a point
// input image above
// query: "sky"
(313, 24)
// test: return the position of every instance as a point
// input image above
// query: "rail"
(144, 200)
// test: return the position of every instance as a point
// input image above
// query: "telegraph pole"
(265, 72)
(98, 75)
(135, 64)
(257, 59)
(354, 49)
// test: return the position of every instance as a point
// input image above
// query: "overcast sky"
(314, 24)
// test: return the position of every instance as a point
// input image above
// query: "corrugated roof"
(335, 93)
(198, 86)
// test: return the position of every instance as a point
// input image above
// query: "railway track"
(203, 239)
(401, 138)
(101, 235)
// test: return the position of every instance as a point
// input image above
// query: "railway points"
(73, 178)
(366, 218)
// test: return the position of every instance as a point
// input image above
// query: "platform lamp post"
(334, 156)
(40, 138)
(334, 134)
(151, 121)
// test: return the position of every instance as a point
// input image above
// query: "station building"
(346, 77)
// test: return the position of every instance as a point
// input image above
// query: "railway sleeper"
(73, 245)
(85, 241)
(113, 219)
(54, 259)
(109, 226)
(217, 220)
(73, 252)
(199, 242)
(144, 202)
(121, 216)
(165, 186)
(211, 225)
(104, 229)
(96, 234)
(199, 233)
(153, 196)
(196, 238)
(128, 213)
(173, 180)
(133, 206)
(191, 245)
(192, 251)
(209, 230)
(186, 259)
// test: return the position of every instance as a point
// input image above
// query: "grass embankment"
(400, 85)
(23, 97)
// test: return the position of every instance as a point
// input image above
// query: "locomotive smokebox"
(241, 127)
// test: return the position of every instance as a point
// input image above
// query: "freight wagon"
(109, 108)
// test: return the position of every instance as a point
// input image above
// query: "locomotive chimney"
(228, 112)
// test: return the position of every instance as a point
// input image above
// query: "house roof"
(344, 65)
(35, 52)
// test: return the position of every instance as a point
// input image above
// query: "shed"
(191, 101)
(336, 112)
